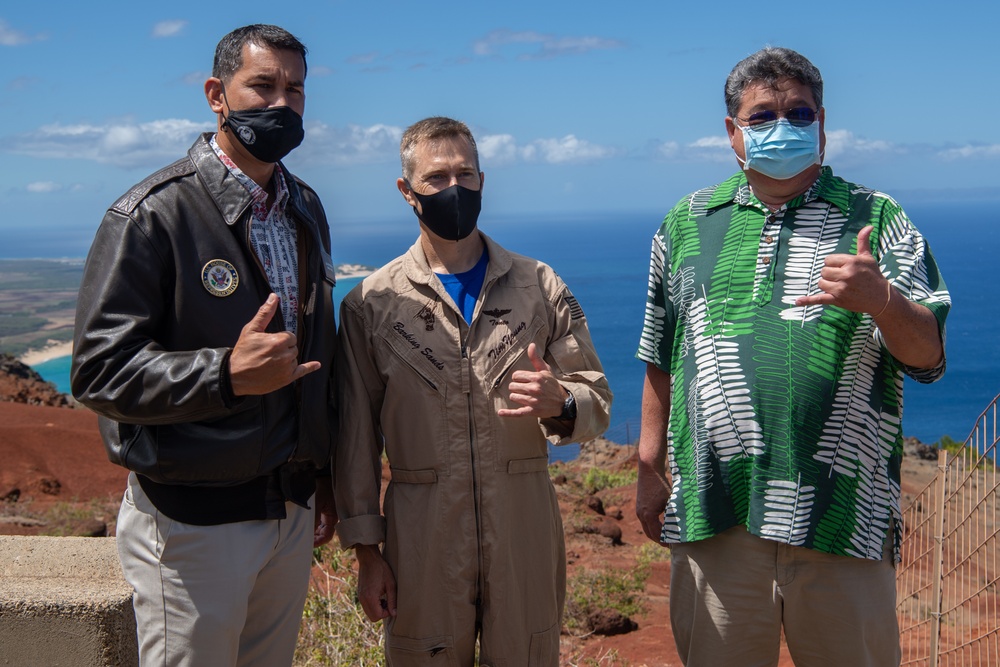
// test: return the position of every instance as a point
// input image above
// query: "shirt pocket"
(514, 438)
(414, 408)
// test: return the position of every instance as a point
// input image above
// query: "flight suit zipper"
(473, 460)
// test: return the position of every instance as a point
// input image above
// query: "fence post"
(936, 578)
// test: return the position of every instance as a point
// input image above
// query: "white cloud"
(571, 149)
(197, 78)
(499, 149)
(169, 28)
(320, 70)
(544, 46)
(667, 149)
(711, 143)
(354, 144)
(124, 144)
(504, 149)
(11, 37)
(43, 187)
(363, 58)
(971, 152)
(705, 149)
(843, 143)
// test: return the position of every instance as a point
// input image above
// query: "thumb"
(864, 242)
(536, 360)
(264, 314)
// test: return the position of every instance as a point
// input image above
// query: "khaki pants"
(731, 595)
(214, 596)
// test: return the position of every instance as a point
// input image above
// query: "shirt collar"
(257, 193)
(737, 190)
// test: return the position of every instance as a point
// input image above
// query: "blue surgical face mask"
(782, 150)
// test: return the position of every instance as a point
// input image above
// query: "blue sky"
(578, 107)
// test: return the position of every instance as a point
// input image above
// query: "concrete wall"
(64, 603)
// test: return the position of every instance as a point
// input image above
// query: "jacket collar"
(229, 195)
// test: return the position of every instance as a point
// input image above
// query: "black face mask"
(268, 134)
(451, 213)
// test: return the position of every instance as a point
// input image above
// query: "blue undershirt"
(463, 288)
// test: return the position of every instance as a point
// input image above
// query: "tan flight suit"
(472, 529)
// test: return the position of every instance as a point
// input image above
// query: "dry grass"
(335, 630)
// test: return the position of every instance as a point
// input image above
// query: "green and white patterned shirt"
(784, 419)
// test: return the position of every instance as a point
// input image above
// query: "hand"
(652, 492)
(326, 512)
(376, 583)
(262, 362)
(853, 282)
(539, 393)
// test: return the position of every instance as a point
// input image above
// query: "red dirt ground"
(52, 458)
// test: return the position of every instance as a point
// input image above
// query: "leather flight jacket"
(170, 281)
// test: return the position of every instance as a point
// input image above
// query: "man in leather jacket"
(204, 340)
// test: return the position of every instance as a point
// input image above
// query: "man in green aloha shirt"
(785, 306)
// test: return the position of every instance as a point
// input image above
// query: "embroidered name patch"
(427, 352)
(219, 277)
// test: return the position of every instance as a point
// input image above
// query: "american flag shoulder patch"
(575, 311)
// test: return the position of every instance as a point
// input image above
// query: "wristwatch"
(569, 409)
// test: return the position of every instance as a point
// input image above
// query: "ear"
(482, 180)
(731, 130)
(405, 190)
(213, 93)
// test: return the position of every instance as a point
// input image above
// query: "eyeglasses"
(765, 120)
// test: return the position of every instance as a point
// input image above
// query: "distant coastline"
(354, 270)
(53, 350)
(44, 350)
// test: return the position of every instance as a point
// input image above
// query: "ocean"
(604, 259)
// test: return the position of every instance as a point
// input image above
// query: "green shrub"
(972, 457)
(598, 479)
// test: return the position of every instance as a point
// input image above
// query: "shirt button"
(766, 260)
(768, 239)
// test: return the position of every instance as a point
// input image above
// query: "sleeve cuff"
(364, 529)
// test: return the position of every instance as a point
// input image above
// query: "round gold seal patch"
(219, 277)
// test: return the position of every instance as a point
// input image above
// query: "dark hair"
(229, 52)
(432, 129)
(770, 65)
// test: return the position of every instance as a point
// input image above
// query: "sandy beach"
(47, 353)
(353, 270)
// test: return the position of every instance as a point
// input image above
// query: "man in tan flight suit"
(464, 361)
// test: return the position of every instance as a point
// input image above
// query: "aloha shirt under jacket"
(783, 419)
(470, 512)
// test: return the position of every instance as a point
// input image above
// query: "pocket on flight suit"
(410, 652)
(520, 438)
(417, 400)
(544, 648)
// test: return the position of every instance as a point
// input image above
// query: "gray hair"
(229, 52)
(770, 65)
(432, 129)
